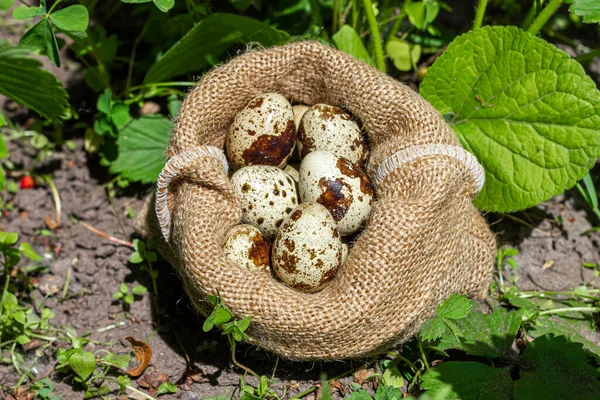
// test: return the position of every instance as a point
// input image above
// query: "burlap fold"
(423, 241)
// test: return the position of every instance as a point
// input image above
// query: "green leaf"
(588, 9)
(129, 299)
(23, 339)
(166, 387)
(72, 18)
(136, 258)
(574, 328)
(416, 14)
(139, 289)
(6, 5)
(404, 54)
(470, 381)
(346, 39)
(119, 114)
(244, 323)
(554, 368)
(526, 110)
(83, 363)
(104, 102)
(118, 295)
(484, 335)
(433, 328)
(41, 38)
(123, 288)
(3, 123)
(164, 6)
(218, 317)
(121, 361)
(8, 238)
(142, 146)
(392, 377)
(194, 52)
(387, 393)
(24, 12)
(28, 252)
(454, 307)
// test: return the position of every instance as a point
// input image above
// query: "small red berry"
(27, 182)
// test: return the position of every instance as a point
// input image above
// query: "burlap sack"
(423, 241)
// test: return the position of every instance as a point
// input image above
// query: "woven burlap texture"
(424, 239)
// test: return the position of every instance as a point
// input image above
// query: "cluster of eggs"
(296, 221)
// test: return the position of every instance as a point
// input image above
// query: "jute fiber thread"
(424, 239)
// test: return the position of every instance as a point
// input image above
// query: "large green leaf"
(484, 335)
(23, 81)
(41, 38)
(554, 368)
(470, 381)
(142, 146)
(72, 18)
(526, 110)
(206, 42)
(576, 329)
(6, 4)
(588, 9)
(346, 39)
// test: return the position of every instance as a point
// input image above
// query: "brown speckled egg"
(292, 169)
(262, 133)
(246, 246)
(307, 250)
(340, 186)
(299, 110)
(329, 128)
(267, 196)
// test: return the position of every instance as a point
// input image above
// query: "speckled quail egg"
(267, 195)
(262, 133)
(307, 250)
(345, 252)
(299, 110)
(246, 246)
(293, 171)
(330, 128)
(340, 186)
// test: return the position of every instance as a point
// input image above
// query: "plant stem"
(423, 354)
(53, 6)
(396, 26)
(162, 84)
(137, 41)
(139, 392)
(532, 12)
(55, 197)
(355, 14)
(317, 19)
(236, 363)
(375, 36)
(588, 56)
(569, 309)
(479, 14)
(305, 393)
(337, 12)
(106, 236)
(499, 260)
(544, 16)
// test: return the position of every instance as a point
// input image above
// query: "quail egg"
(246, 246)
(330, 128)
(338, 185)
(267, 195)
(307, 250)
(293, 171)
(299, 110)
(262, 133)
(345, 252)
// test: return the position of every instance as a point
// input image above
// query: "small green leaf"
(142, 145)
(104, 102)
(139, 289)
(47, 314)
(123, 288)
(121, 361)
(510, 252)
(164, 5)
(588, 9)
(119, 114)
(454, 307)
(24, 12)
(470, 381)
(41, 38)
(347, 40)
(83, 364)
(554, 368)
(524, 108)
(218, 317)
(387, 393)
(166, 387)
(404, 55)
(416, 14)
(244, 323)
(8, 238)
(6, 5)
(433, 329)
(136, 258)
(72, 18)
(23, 339)
(393, 377)
(28, 252)
(129, 299)
(118, 295)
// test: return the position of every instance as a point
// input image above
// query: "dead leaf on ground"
(362, 374)
(50, 223)
(143, 354)
(548, 264)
